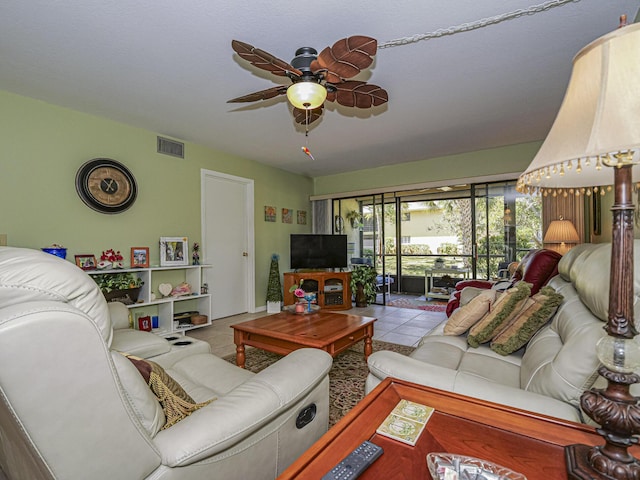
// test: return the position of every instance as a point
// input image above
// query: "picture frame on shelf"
(144, 323)
(174, 251)
(139, 257)
(86, 262)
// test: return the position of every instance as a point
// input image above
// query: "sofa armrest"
(233, 418)
(384, 363)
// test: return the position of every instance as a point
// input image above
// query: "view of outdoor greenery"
(506, 225)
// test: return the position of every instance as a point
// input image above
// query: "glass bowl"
(473, 468)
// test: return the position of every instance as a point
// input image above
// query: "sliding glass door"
(474, 230)
(507, 226)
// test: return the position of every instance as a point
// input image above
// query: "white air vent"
(170, 147)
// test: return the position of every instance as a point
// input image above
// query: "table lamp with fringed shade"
(594, 142)
(562, 233)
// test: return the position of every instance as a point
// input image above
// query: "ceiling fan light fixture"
(306, 95)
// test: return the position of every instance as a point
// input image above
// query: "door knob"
(245, 254)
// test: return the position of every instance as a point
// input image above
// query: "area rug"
(346, 377)
(417, 304)
(435, 307)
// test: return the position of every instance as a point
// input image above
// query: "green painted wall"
(510, 159)
(44, 145)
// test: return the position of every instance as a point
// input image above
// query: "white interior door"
(227, 242)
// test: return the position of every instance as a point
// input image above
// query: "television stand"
(332, 289)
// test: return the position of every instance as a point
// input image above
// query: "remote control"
(356, 462)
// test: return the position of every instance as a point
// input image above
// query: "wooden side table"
(523, 441)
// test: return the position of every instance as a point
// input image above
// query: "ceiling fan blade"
(300, 115)
(264, 60)
(358, 94)
(261, 95)
(346, 58)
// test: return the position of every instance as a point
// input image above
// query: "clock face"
(106, 186)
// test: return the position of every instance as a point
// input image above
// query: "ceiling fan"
(317, 78)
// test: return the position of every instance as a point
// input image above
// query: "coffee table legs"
(238, 339)
(368, 342)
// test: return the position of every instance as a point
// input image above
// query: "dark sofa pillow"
(540, 266)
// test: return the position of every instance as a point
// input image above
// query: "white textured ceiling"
(168, 66)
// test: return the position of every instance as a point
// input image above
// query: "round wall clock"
(106, 186)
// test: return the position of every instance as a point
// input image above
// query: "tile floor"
(404, 326)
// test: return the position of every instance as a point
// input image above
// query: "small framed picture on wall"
(139, 257)
(269, 213)
(287, 215)
(174, 251)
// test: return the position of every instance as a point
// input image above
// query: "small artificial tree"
(274, 287)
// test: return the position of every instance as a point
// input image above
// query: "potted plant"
(354, 218)
(363, 284)
(122, 287)
(274, 288)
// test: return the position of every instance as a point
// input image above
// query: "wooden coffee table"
(285, 332)
(526, 442)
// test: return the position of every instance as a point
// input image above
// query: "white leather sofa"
(72, 407)
(550, 373)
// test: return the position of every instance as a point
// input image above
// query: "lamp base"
(579, 465)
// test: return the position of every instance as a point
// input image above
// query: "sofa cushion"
(560, 360)
(536, 311)
(503, 310)
(454, 354)
(466, 316)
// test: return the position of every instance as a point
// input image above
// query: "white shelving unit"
(150, 300)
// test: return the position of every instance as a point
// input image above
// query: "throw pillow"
(533, 316)
(463, 318)
(175, 401)
(502, 311)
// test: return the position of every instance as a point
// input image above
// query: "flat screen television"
(318, 251)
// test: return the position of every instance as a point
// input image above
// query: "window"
(475, 226)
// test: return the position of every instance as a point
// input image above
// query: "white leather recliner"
(72, 407)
